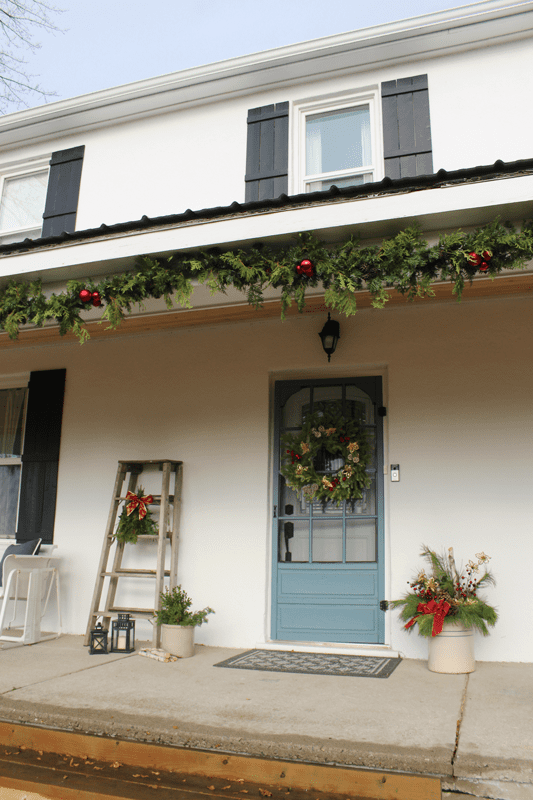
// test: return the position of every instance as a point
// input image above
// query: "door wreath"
(328, 458)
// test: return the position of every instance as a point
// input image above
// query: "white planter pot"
(452, 650)
(178, 640)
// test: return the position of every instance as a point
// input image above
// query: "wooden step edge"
(141, 573)
(156, 498)
(116, 610)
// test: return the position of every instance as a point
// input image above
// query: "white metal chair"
(29, 580)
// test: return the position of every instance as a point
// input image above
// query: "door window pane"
(293, 541)
(292, 411)
(359, 405)
(360, 540)
(338, 140)
(23, 200)
(327, 540)
(367, 504)
(292, 502)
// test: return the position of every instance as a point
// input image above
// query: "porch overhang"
(435, 203)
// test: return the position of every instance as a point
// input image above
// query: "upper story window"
(22, 201)
(337, 142)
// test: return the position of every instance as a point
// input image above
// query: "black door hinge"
(382, 411)
(384, 605)
(275, 512)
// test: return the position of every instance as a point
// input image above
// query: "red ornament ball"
(487, 255)
(475, 259)
(483, 266)
(97, 300)
(85, 296)
(305, 267)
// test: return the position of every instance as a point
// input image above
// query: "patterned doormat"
(313, 663)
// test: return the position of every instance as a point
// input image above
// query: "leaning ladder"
(168, 530)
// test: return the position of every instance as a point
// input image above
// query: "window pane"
(293, 543)
(9, 495)
(327, 540)
(23, 202)
(361, 540)
(12, 405)
(350, 180)
(338, 140)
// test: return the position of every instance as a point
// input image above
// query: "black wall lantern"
(98, 639)
(330, 335)
(123, 634)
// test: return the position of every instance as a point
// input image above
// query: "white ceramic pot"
(178, 640)
(452, 650)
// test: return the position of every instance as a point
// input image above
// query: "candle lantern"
(98, 639)
(123, 634)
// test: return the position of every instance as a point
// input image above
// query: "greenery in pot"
(175, 605)
(447, 594)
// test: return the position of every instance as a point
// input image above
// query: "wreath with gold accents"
(328, 458)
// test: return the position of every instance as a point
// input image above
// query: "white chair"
(28, 580)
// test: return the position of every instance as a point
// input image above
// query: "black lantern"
(123, 634)
(98, 639)
(330, 335)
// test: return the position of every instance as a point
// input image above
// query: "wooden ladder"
(168, 529)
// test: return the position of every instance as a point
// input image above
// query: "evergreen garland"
(404, 262)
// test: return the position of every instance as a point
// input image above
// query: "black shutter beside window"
(267, 152)
(40, 459)
(406, 127)
(63, 191)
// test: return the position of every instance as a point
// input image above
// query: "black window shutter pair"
(40, 459)
(406, 139)
(63, 191)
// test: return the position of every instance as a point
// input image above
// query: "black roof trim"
(386, 186)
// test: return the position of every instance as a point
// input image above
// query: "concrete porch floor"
(474, 732)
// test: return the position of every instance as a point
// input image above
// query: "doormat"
(313, 663)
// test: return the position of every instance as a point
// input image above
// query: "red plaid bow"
(140, 502)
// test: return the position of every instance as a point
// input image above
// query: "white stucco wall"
(458, 391)
(193, 156)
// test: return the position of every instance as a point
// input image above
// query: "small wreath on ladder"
(327, 459)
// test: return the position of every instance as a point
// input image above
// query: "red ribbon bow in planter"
(438, 609)
(140, 502)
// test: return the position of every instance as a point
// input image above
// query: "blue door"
(328, 558)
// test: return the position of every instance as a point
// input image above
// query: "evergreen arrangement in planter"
(175, 609)
(447, 594)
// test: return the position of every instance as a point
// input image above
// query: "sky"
(105, 43)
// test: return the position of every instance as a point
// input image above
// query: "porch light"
(123, 634)
(98, 639)
(330, 335)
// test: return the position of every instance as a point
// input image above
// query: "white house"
(425, 121)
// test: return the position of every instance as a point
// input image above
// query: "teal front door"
(328, 559)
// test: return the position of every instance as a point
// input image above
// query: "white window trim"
(21, 169)
(301, 109)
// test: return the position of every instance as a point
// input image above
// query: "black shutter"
(406, 129)
(38, 485)
(63, 190)
(267, 153)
